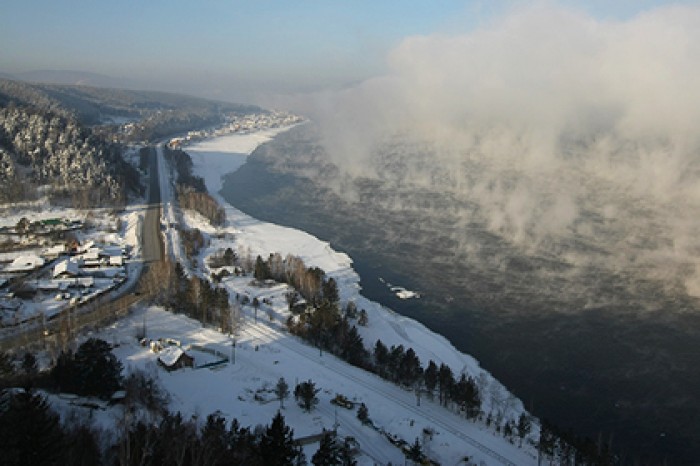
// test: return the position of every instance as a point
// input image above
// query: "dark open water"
(629, 378)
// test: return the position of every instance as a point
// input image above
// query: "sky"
(237, 50)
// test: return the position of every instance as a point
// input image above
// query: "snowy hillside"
(280, 355)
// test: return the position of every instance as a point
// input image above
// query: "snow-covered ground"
(281, 355)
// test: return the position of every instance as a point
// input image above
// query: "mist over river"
(609, 351)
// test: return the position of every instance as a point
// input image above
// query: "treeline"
(147, 434)
(33, 434)
(193, 296)
(307, 281)
(191, 190)
(319, 319)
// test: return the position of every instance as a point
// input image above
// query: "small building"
(172, 358)
(25, 263)
(116, 261)
(54, 251)
(66, 268)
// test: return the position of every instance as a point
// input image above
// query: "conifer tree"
(328, 453)
(305, 394)
(277, 445)
(363, 414)
(97, 369)
(430, 377)
(7, 369)
(29, 431)
(29, 365)
(282, 391)
(415, 452)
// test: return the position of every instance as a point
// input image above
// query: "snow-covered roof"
(85, 281)
(91, 254)
(88, 245)
(170, 354)
(66, 267)
(112, 251)
(116, 260)
(55, 250)
(25, 263)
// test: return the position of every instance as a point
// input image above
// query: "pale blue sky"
(209, 47)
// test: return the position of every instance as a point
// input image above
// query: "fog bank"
(556, 128)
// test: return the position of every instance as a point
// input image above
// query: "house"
(116, 261)
(86, 246)
(66, 268)
(91, 257)
(25, 263)
(54, 251)
(114, 255)
(172, 358)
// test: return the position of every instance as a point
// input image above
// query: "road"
(152, 241)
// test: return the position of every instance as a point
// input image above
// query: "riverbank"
(214, 158)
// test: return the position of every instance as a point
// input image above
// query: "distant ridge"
(75, 77)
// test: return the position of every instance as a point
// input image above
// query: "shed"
(172, 358)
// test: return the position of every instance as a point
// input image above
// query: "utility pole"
(233, 351)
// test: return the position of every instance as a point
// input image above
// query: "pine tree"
(214, 439)
(7, 369)
(381, 357)
(277, 445)
(363, 414)
(305, 394)
(30, 431)
(81, 447)
(328, 453)
(524, 426)
(29, 365)
(415, 453)
(445, 382)
(64, 374)
(354, 350)
(430, 377)
(97, 369)
(409, 370)
(329, 289)
(363, 320)
(262, 271)
(282, 391)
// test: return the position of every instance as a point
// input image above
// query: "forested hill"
(70, 139)
(154, 115)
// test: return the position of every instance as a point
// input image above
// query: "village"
(49, 265)
(237, 124)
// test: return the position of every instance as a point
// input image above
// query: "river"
(628, 378)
